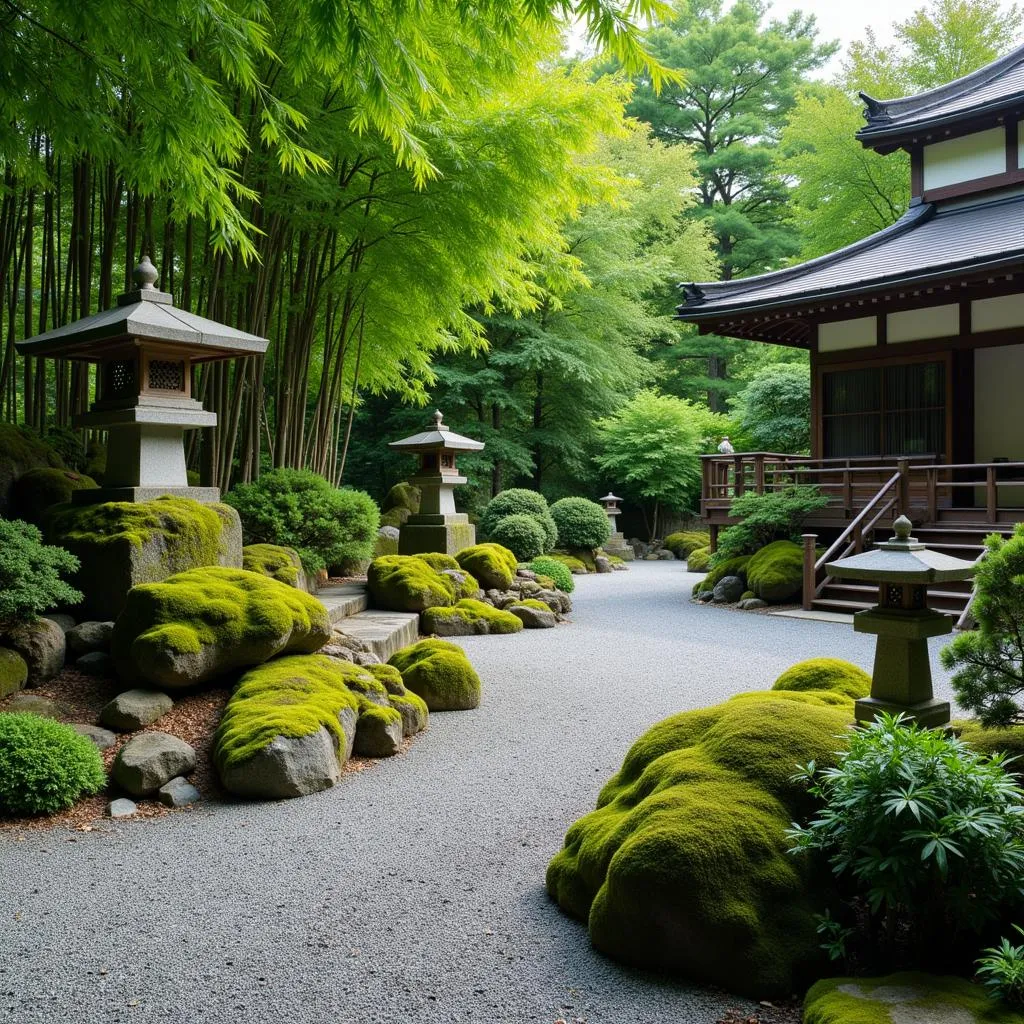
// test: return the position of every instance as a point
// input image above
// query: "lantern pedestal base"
(931, 714)
(616, 545)
(447, 534)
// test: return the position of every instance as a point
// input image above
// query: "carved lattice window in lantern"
(121, 378)
(166, 375)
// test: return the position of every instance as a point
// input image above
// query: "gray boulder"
(135, 709)
(41, 643)
(752, 604)
(179, 792)
(664, 555)
(556, 601)
(96, 663)
(728, 590)
(149, 760)
(706, 596)
(389, 533)
(526, 574)
(13, 672)
(90, 636)
(122, 807)
(64, 621)
(365, 658)
(379, 735)
(602, 563)
(103, 739)
(337, 651)
(286, 767)
(35, 704)
(533, 618)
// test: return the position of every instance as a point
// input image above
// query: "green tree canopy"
(774, 409)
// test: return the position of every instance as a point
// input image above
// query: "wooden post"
(713, 534)
(903, 492)
(991, 494)
(810, 541)
(737, 476)
(847, 490)
(858, 538)
(705, 491)
(759, 474)
(933, 505)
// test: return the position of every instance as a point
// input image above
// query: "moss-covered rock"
(279, 563)
(826, 674)
(464, 582)
(407, 583)
(404, 496)
(395, 517)
(412, 708)
(379, 731)
(776, 572)
(684, 866)
(905, 998)
(13, 672)
(440, 673)
(730, 567)
(698, 560)
(492, 565)
(573, 564)
(121, 544)
(201, 624)
(468, 618)
(685, 541)
(40, 489)
(20, 452)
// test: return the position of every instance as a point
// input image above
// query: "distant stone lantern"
(437, 526)
(145, 350)
(611, 507)
(616, 543)
(903, 568)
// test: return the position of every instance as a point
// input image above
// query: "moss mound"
(698, 560)
(407, 583)
(908, 996)
(573, 564)
(13, 672)
(992, 741)
(21, 451)
(207, 622)
(730, 567)
(39, 489)
(684, 865)
(685, 541)
(440, 673)
(469, 617)
(404, 496)
(776, 572)
(279, 563)
(492, 565)
(826, 674)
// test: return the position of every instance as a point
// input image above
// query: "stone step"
(343, 600)
(383, 632)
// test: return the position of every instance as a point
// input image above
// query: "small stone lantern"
(145, 350)
(611, 507)
(903, 568)
(437, 526)
(616, 544)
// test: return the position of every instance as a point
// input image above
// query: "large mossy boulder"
(684, 865)
(40, 489)
(904, 998)
(776, 572)
(440, 673)
(121, 544)
(43, 645)
(826, 674)
(469, 618)
(13, 672)
(201, 624)
(698, 560)
(21, 451)
(408, 583)
(686, 541)
(278, 562)
(403, 496)
(492, 565)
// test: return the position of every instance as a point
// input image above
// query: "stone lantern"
(437, 526)
(903, 568)
(611, 507)
(616, 544)
(144, 349)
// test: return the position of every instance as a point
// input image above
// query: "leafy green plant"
(774, 515)
(775, 408)
(521, 534)
(556, 570)
(298, 509)
(45, 766)
(517, 501)
(581, 523)
(30, 573)
(1001, 970)
(928, 834)
(988, 662)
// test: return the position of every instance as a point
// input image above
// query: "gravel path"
(413, 892)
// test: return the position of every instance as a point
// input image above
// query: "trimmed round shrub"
(299, 509)
(555, 570)
(826, 674)
(493, 565)
(776, 572)
(39, 489)
(519, 501)
(698, 560)
(30, 573)
(685, 541)
(45, 766)
(440, 673)
(685, 867)
(521, 534)
(581, 523)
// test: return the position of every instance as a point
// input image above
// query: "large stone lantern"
(903, 568)
(145, 350)
(437, 526)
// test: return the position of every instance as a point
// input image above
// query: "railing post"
(759, 474)
(810, 542)
(991, 494)
(858, 538)
(705, 491)
(737, 476)
(713, 534)
(932, 476)
(847, 490)
(903, 491)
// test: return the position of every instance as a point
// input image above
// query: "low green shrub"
(1001, 971)
(776, 572)
(682, 543)
(45, 766)
(298, 509)
(31, 573)
(521, 534)
(519, 501)
(555, 570)
(774, 515)
(492, 565)
(581, 523)
(699, 560)
(39, 489)
(575, 565)
(826, 674)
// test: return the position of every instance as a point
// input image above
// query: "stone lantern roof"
(904, 559)
(440, 438)
(147, 314)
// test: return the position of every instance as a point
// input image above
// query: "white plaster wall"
(997, 313)
(998, 410)
(842, 334)
(919, 324)
(964, 159)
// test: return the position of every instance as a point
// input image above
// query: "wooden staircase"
(953, 533)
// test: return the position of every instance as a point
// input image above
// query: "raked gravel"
(414, 891)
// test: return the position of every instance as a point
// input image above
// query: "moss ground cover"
(685, 541)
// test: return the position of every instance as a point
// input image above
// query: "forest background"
(427, 205)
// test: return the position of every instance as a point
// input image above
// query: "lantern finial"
(145, 275)
(902, 528)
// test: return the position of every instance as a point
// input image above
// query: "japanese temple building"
(916, 340)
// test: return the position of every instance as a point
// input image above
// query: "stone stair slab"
(383, 632)
(343, 600)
